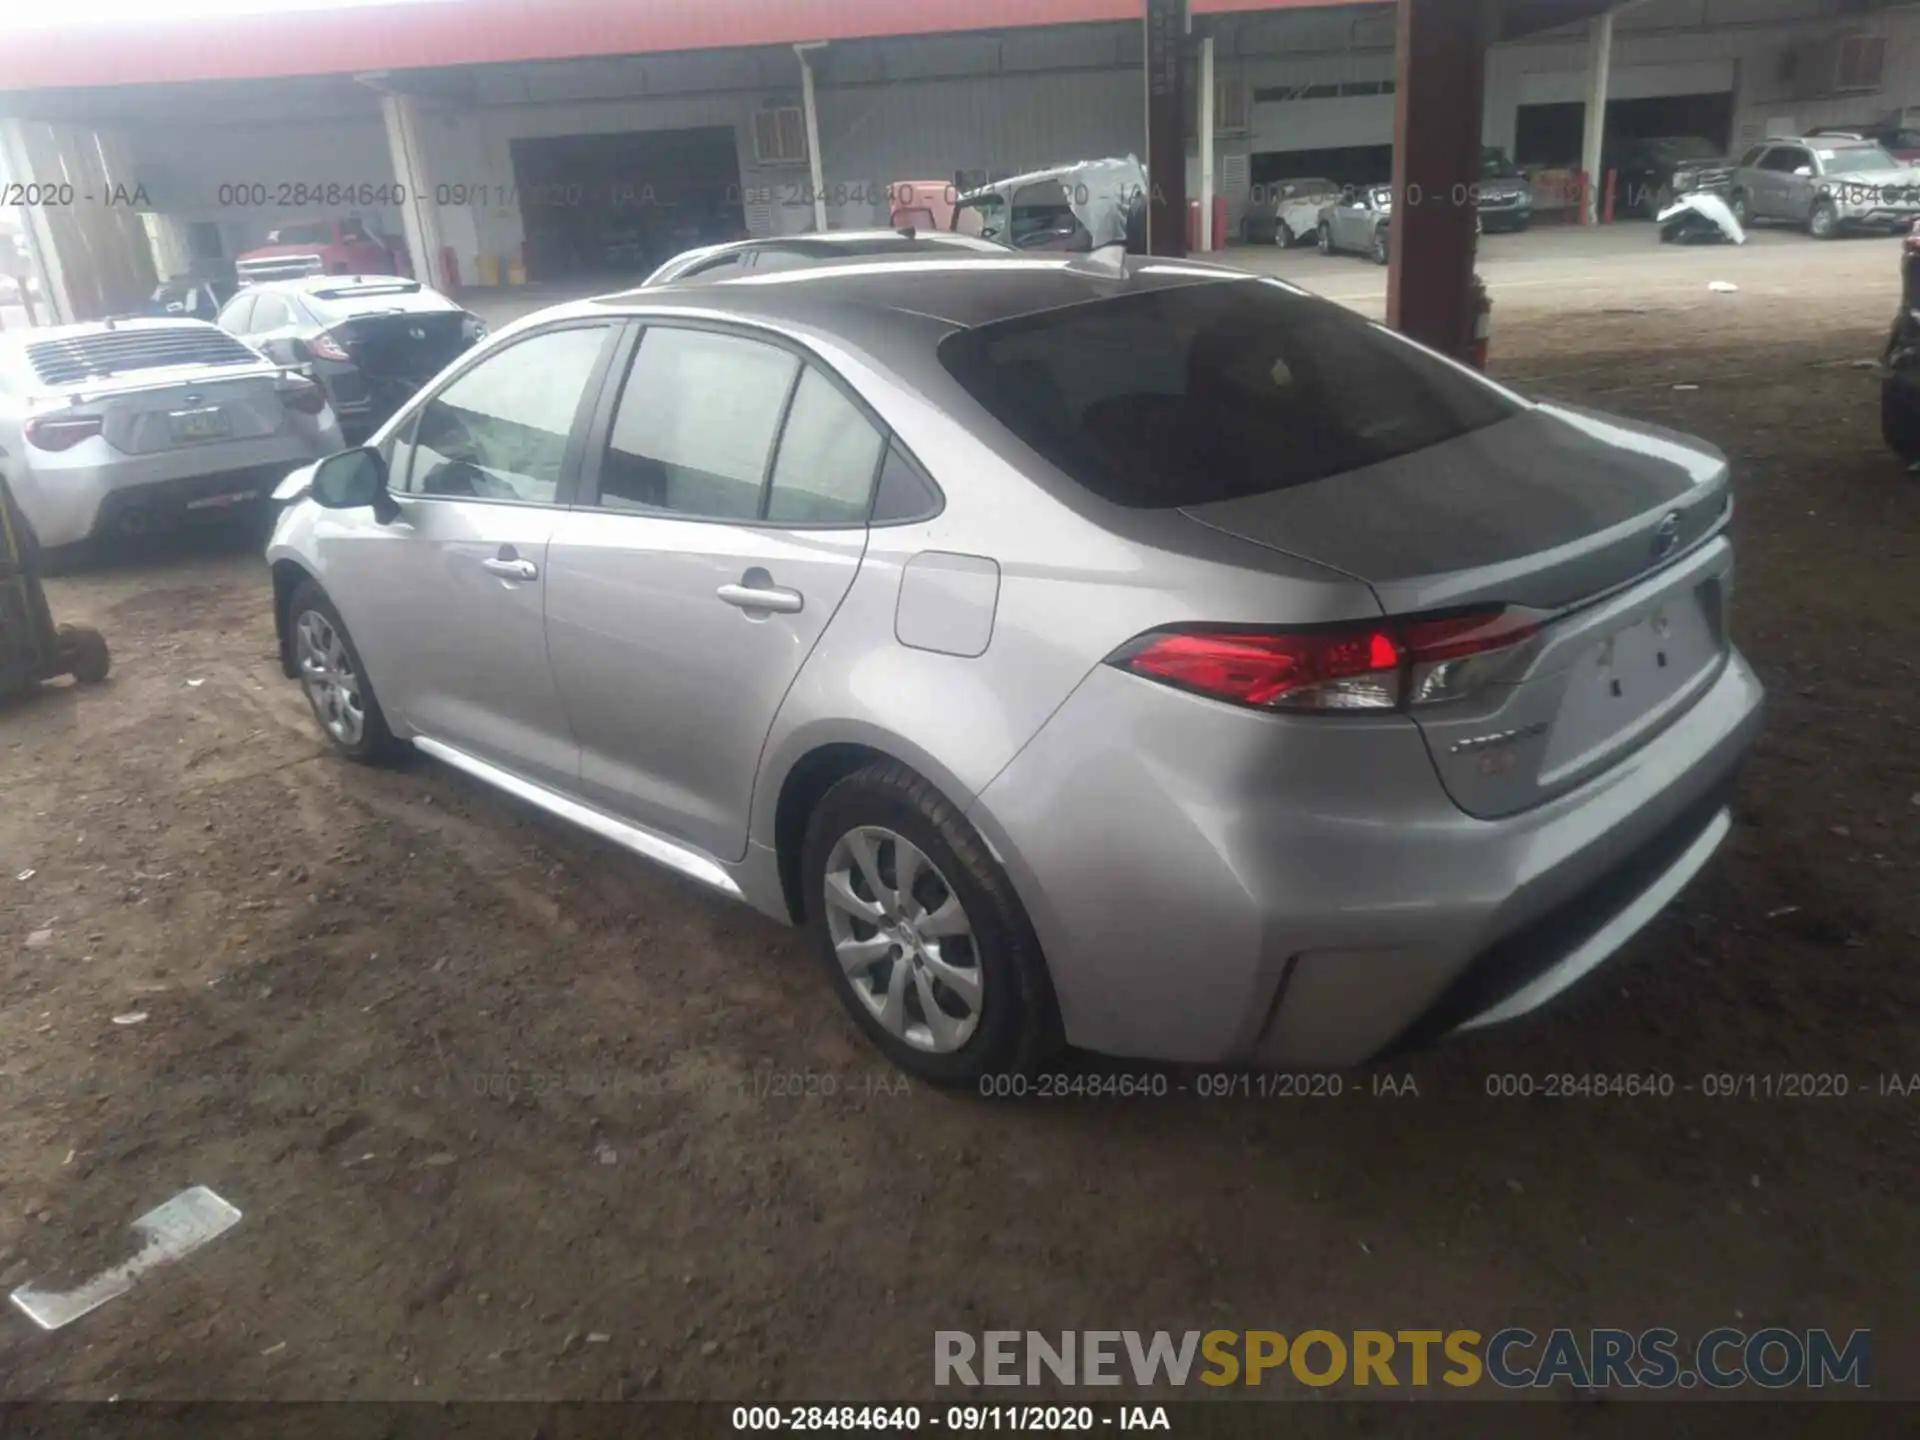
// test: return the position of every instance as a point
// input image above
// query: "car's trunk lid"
(412, 346)
(153, 413)
(1601, 528)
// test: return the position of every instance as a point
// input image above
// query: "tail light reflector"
(1383, 665)
(60, 432)
(303, 395)
(325, 347)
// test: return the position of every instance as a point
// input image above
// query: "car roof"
(858, 299)
(1846, 141)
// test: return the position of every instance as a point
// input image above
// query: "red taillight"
(60, 432)
(325, 347)
(1379, 666)
(1311, 670)
(303, 395)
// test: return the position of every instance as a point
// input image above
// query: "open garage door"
(1649, 102)
(1344, 165)
(1338, 132)
(618, 205)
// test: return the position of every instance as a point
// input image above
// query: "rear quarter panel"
(1077, 580)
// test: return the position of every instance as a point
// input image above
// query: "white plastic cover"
(1100, 192)
(1711, 206)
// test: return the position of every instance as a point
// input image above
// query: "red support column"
(1436, 169)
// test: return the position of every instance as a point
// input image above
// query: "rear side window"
(239, 314)
(823, 474)
(269, 314)
(695, 425)
(1206, 393)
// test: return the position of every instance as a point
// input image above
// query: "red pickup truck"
(321, 247)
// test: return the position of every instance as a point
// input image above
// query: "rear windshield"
(105, 353)
(1214, 392)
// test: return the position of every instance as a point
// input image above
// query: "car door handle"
(763, 597)
(511, 569)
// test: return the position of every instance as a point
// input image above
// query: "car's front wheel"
(1742, 208)
(1381, 250)
(1284, 236)
(1326, 238)
(1824, 223)
(334, 680)
(922, 936)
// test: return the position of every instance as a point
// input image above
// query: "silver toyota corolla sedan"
(114, 426)
(1166, 661)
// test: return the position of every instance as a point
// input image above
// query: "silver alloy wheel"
(327, 672)
(1823, 222)
(903, 940)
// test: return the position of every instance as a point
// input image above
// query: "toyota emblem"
(417, 333)
(1666, 539)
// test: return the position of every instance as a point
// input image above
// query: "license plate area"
(1632, 671)
(207, 423)
(226, 500)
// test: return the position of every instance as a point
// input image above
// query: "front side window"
(1783, 160)
(695, 425)
(1041, 211)
(499, 432)
(1204, 393)
(985, 217)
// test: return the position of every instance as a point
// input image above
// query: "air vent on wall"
(780, 135)
(1845, 65)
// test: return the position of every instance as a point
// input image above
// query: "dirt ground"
(509, 1113)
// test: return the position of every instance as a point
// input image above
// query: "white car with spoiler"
(114, 427)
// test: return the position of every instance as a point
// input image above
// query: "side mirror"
(354, 478)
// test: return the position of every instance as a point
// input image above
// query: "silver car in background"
(1827, 184)
(112, 427)
(1155, 657)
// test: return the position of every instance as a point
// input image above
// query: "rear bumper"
(1216, 886)
(70, 506)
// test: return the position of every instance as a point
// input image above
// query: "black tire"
(1284, 236)
(1742, 208)
(1381, 248)
(376, 745)
(83, 650)
(1824, 222)
(1018, 1026)
(1326, 238)
(1900, 419)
